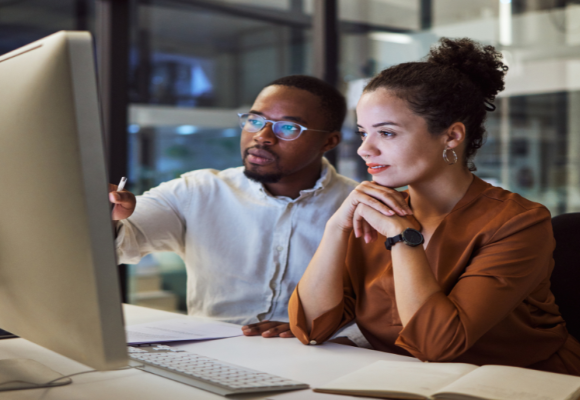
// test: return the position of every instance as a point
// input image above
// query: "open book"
(453, 381)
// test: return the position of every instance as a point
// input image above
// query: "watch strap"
(402, 238)
(392, 240)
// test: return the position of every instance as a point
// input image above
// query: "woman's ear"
(455, 135)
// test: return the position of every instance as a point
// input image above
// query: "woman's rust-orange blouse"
(492, 256)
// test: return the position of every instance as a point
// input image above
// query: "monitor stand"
(21, 373)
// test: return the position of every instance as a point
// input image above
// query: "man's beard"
(263, 178)
(272, 177)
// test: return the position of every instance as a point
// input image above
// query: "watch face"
(412, 237)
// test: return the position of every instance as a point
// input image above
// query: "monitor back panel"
(58, 278)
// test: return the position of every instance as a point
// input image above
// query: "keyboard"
(206, 373)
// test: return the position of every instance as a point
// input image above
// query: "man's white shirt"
(244, 249)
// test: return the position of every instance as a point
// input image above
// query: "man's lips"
(260, 157)
(376, 168)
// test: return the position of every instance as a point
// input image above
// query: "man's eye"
(289, 127)
(255, 122)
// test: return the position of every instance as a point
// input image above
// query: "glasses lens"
(287, 130)
(251, 122)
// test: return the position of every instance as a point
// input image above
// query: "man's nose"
(266, 135)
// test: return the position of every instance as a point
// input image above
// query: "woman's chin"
(391, 183)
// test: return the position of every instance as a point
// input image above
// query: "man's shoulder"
(346, 181)
(208, 176)
(342, 183)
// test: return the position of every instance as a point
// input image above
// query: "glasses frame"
(302, 128)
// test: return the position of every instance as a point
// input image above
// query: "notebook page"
(181, 329)
(511, 383)
(400, 377)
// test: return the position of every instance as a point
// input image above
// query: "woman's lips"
(376, 168)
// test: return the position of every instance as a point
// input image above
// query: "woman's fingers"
(369, 232)
(362, 227)
(357, 224)
(378, 223)
(379, 196)
(385, 200)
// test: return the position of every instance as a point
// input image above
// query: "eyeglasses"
(284, 130)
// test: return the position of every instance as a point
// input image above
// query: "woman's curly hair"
(457, 83)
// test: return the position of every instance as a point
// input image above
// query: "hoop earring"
(447, 159)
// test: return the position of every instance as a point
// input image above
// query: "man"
(247, 234)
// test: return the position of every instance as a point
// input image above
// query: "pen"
(121, 184)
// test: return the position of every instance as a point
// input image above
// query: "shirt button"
(279, 248)
(313, 342)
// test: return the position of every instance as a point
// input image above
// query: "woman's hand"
(383, 200)
(367, 222)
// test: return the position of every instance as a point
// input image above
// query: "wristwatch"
(411, 237)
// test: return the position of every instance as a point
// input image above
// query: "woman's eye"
(361, 134)
(386, 133)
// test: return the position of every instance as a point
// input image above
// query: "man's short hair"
(332, 101)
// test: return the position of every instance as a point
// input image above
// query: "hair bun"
(481, 64)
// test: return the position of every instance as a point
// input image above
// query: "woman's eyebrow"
(385, 123)
(381, 124)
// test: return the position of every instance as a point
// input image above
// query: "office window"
(194, 64)
(192, 68)
(533, 145)
(22, 22)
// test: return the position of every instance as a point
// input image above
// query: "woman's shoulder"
(494, 210)
(501, 199)
(504, 198)
(483, 195)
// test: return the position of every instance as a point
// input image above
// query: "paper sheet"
(174, 330)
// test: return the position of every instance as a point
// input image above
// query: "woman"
(465, 276)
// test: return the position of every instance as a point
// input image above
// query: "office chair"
(566, 275)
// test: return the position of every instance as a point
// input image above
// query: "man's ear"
(332, 140)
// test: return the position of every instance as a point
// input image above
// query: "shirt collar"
(326, 176)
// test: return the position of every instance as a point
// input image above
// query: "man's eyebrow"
(382, 124)
(286, 117)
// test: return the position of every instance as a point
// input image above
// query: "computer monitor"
(58, 275)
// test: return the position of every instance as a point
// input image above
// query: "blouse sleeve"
(325, 325)
(501, 275)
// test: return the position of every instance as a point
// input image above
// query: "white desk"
(315, 365)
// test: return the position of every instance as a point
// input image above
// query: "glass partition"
(22, 22)
(195, 64)
(193, 68)
(532, 146)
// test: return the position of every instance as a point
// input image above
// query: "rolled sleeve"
(323, 327)
(501, 275)
(157, 224)
(353, 333)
